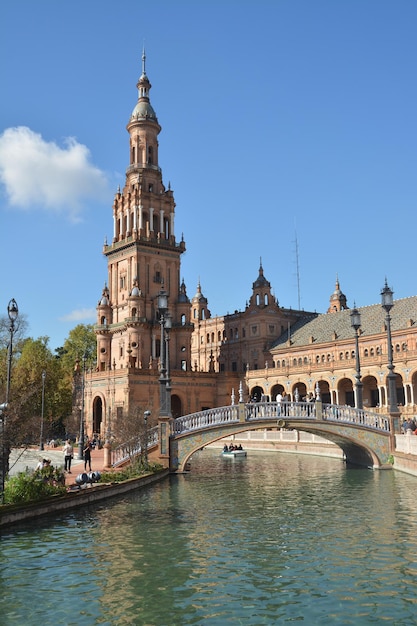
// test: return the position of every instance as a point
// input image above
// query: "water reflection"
(270, 539)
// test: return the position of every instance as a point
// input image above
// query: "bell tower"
(143, 256)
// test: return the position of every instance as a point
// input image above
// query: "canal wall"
(14, 513)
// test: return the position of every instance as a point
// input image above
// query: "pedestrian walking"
(87, 455)
(68, 452)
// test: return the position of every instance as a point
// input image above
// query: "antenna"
(297, 267)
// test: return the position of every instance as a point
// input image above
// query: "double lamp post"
(387, 302)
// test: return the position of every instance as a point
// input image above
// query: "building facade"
(265, 348)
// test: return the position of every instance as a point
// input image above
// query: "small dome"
(143, 109)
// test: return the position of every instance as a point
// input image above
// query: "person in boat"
(231, 447)
(225, 448)
(239, 447)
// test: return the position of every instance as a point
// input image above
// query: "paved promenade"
(21, 458)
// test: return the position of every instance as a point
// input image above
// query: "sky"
(289, 135)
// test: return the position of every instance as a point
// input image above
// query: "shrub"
(130, 471)
(28, 487)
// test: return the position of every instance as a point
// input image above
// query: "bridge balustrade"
(133, 447)
(279, 410)
(204, 419)
(359, 417)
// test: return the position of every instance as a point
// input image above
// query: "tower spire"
(143, 61)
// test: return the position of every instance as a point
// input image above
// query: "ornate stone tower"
(143, 258)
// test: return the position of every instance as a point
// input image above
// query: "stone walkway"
(21, 458)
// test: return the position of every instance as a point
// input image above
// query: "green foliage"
(134, 470)
(80, 341)
(32, 487)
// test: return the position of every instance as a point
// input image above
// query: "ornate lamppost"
(165, 388)
(13, 313)
(81, 435)
(387, 304)
(355, 321)
(168, 326)
(41, 445)
(146, 414)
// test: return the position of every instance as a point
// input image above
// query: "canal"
(272, 539)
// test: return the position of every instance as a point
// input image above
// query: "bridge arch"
(365, 438)
(356, 452)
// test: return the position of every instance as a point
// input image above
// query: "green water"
(272, 539)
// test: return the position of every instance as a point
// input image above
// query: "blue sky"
(286, 125)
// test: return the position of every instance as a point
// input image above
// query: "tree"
(81, 341)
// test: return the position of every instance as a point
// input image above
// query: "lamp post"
(168, 326)
(387, 304)
(81, 435)
(355, 321)
(41, 446)
(145, 419)
(13, 313)
(164, 409)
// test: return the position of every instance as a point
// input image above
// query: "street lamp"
(81, 435)
(13, 313)
(355, 321)
(41, 446)
(168, 326)
(387, 304)
(145, 419)
(165, 388)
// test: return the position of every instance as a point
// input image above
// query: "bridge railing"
(133, 447)
(359, 417)
(274, 411)
(279, 410)
(204, 419)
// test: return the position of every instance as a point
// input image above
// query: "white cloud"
(80, 315)
(40, 174)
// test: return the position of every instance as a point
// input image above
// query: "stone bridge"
(366, 438)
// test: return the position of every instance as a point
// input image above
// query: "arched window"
(341, 356)
(150, 155)
(219, 336)
(266, 299)
(347, 355)
(294, 362)
(365, 352)
(183, 319)
(278, 363)
(208, 338)
(372, 352)
(212, 337)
